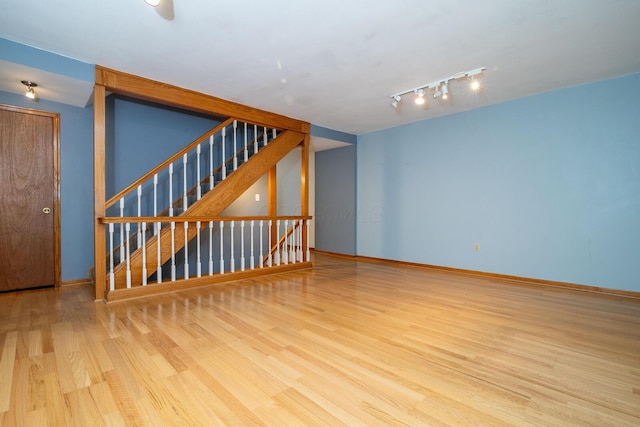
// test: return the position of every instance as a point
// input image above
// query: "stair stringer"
(211, 204)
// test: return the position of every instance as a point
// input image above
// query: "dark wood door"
(28, 198)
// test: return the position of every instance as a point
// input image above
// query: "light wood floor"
(349, 343)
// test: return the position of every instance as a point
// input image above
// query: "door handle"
(46, 211)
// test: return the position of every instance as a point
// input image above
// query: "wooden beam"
(163, 93)
(99, 234)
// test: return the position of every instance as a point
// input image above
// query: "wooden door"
(29, 201)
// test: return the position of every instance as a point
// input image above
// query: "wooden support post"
(304, 184)
(99, 235)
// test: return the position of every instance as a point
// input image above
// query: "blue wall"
(76, 182)
(549, 186)
(335, 217)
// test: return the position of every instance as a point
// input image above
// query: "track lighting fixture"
(31, 93)
(153, 3)
(440, 87)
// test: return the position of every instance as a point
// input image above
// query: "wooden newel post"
(99, 234)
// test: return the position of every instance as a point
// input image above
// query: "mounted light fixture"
(440, 87)
(445, 91)
(396, 100)
(31, 94)
(153, 3)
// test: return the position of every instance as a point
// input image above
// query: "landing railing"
(221, 246)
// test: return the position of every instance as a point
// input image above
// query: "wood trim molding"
(77, 282)
(57, 255)
(504, 277)
(216, 279)
(151, 90)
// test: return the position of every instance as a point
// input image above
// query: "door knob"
(46, 210)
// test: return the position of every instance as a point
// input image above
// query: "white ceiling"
(335, 63)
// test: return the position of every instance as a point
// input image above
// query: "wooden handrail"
(166, 163)
(137, 219)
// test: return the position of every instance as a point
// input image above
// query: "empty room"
(320, 213)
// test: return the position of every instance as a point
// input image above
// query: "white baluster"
(224, 159)
(171, 189)
(241, 245)
(261, 253)
(292, 253)
(210, 248)
(211, 179)
(198, 186)
(255, 139)
(155, 198)
(251, 259)
(270, 256)
(265, 136)
(232, 261)
(308, 239)
(235, 149)
(144, 256)
(185, 199)
(112, 278)
(173, 251)
(198, 262)
(121, 230)
(246, 149)
(159, 252)
(127, 227)
(221, 247)
(285, 253)
(186, 250)
(277, 254)
(138, 233)
(300, 225)
(274, 134)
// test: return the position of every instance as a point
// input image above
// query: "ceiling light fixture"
(153, 3)
(31, 94)
(440, 87)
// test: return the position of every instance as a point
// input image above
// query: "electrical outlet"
(476, 247)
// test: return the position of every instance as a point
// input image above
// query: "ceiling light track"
(440, 88)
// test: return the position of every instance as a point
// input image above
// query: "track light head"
(445, 91)
(396, 101)
(153, 3)
(419, 97)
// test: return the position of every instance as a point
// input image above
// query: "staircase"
(164, 231)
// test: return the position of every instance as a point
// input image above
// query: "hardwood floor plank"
(7, 362)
